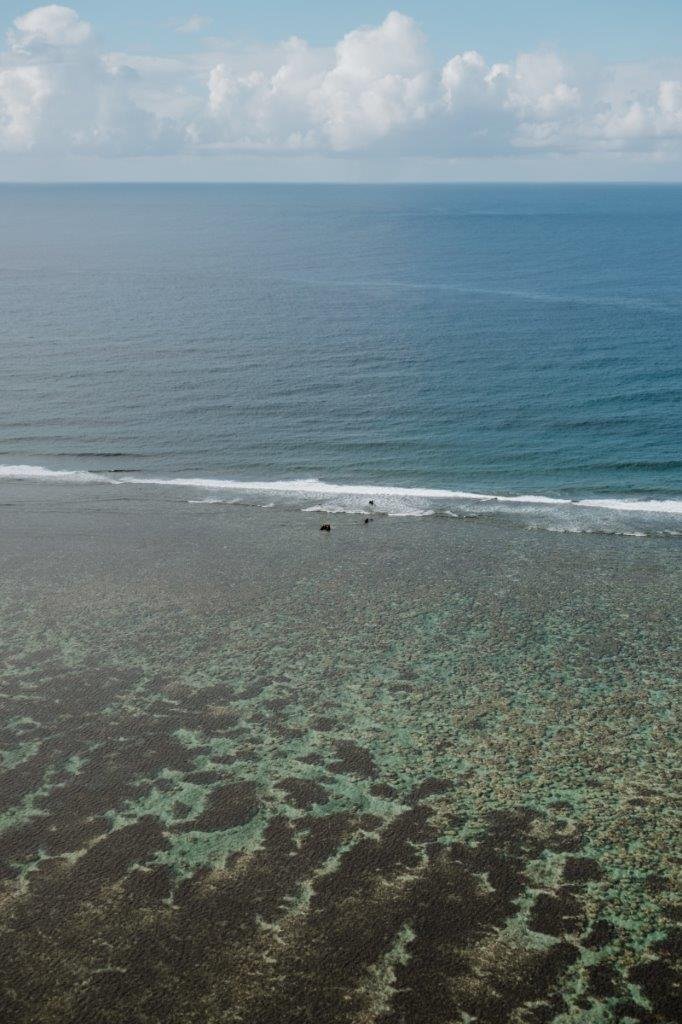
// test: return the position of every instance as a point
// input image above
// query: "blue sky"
(493, 90)
(612, 29)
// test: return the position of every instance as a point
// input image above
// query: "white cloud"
(464, 77)
(53, 24)
(380, 80)
(638, 122)
(377, 90)
(59, 95)
(376, 79)
(23, 93)
(532, 91)
(539, 87)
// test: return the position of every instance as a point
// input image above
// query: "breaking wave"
(39, 473)
(631, 516)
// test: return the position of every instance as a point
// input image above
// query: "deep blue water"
(500, 339)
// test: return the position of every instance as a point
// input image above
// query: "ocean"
(422, 769)
(505, 351)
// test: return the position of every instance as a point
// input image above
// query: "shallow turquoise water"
(415, 772)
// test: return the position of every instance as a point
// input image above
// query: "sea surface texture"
(423, 768)
(453, 345)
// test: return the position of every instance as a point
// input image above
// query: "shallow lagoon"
(408, 772)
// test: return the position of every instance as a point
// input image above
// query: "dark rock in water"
(327, 527)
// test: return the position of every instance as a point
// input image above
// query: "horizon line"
(349, 184)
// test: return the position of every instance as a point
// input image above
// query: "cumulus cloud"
(375, 80)
(639, 122)
(24, 91)
(380, 79)
(378, 88)
(534, 98)
(53, 25)
(59, 94)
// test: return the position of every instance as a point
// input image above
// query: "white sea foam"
(549, 528)
(40, 473)
(391, 500)
(330, 509)
(534, 499)
(311, 486)
(415, 513)
(672, 506)
(320, 488)
(394, 508)
(213, 501)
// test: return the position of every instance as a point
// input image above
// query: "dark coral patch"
(384, 790)
(312, 759)
(630, 1011)
(147, 885)
(277, 703)
(430, 787)
(661, 983)
(655, 884)
(42, 833)
(353, 760)
(251, 691)
(602, 981)
(508, 828)
(304, 792)
(322, 836)
(108, 859)
(322, 723)
(230, 805)
(601, 934)
(451, 913)
(205, 778)
(536, 980)
(582, 869)
(671, 945)
(557, 915)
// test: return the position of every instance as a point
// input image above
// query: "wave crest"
(355, 498)
(40, 473)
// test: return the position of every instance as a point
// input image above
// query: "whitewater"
(609, 514)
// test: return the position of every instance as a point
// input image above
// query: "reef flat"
(405, 773)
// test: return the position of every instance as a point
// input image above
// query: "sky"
(493, 90)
